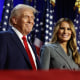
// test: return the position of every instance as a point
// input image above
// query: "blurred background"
(49, 12)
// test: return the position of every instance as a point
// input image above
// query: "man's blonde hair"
(15, 11)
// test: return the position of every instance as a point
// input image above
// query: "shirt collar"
(19, 34)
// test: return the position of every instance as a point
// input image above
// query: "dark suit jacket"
(12, 53)
(54, 57)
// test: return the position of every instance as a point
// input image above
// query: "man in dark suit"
(13, 54)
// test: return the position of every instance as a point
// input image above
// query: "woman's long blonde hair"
(72, 42)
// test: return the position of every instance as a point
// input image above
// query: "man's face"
(25, 21)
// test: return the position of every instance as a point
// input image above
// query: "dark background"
(63, 8)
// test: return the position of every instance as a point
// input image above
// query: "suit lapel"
(64, 56)
(18, 43)
(34, 50)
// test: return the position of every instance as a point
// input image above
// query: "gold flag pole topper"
(52, 2)
(77, 5)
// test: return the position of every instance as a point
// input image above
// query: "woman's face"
(64, 32)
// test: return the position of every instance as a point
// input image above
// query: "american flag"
(44, 22)
(77, 27)
(8, 5)
(49, 22)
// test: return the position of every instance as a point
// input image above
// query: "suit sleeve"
(45, 57)
(3, 52)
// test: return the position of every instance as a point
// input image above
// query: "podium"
(39, 75)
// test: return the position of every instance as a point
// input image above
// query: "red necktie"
(28, 52)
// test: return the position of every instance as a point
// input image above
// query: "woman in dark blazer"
(61, 52)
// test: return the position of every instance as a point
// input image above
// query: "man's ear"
(14, 20)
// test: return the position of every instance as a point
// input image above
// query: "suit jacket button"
(63, 66)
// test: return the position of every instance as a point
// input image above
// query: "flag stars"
(8, 4)
(78, 48)
(47, 26)
(6, 17)
(37, 25)
(47, 15)
(34, 6)
(78, 36)
(46, 42)
(7, 11)
(4, 29)
(51, 17)
(5, 23)
(37, 19)
(79, 27)
(46, 37)
(51, 22)
(47, 10)
(78, 42)
(77, 15)
(36, 30)
(49, 39)
(47, 31)
(41, 23)
(47, 20)
(51, 11)
(74, 20)
(54, 23)
(76, 28)
(50, 34)
(50, 28)
(77, 21)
